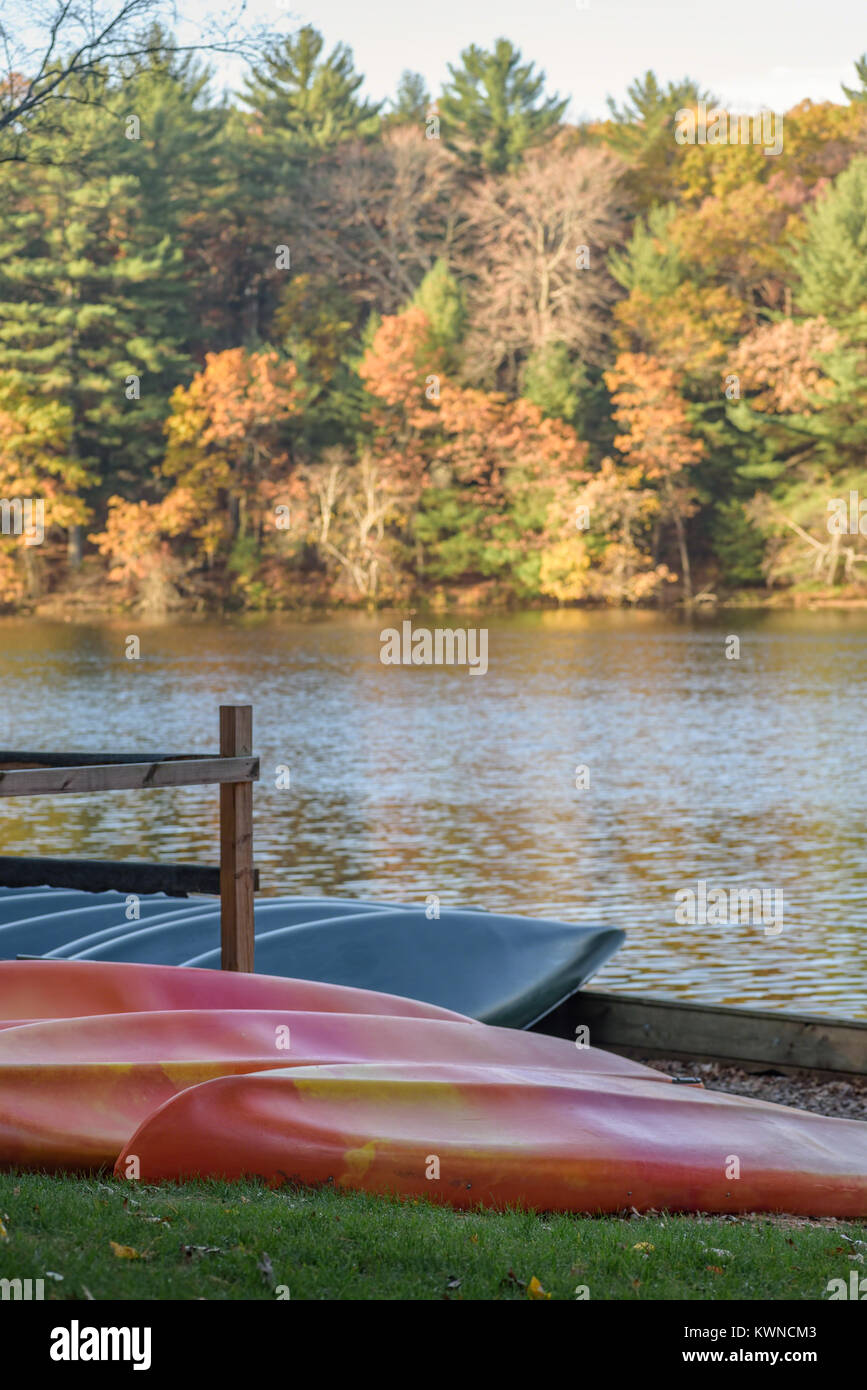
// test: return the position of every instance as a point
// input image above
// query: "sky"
(749, 53)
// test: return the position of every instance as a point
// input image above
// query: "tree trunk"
(32, 572)
(74, 546)
(654, 545)
(684, 556)
(833, 558)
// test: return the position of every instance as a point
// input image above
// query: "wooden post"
(237, 932)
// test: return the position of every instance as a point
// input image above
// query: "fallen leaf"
(188, 1251)
(4, 1234)
(715, 1269)
(512, 1278)
(644, 1245)
(474, 1239)
(535, 1290)
(52, 1274)
(124, 1252)
(453, 1284)
(723, 1254)
(266, 1270)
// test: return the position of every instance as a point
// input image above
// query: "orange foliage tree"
(611, 559)
(488, 480)
(782, 364)
(138, 543)
(228, 439)
(37, 474)
(656, 438)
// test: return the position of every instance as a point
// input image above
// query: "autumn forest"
(296, 350)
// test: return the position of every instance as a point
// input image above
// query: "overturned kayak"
(170, 1073)
(34, 990)
(500, 969)
(72, 1091)
(464, 1134)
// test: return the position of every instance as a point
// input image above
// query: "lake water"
(406, 781)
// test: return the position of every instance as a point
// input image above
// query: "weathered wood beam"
(17, 757)
(104, 875)
(640, 1027)
(237, 931)
(105, 777)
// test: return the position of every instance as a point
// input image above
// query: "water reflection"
(407, 781)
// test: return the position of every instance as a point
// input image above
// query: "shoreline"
(71, 608)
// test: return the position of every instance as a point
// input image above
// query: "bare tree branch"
(80, 38)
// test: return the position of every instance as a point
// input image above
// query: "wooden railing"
(234, 770)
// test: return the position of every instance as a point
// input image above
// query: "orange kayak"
(195, 1072)
(41, 989)
(72, 1091)
(467, 1134)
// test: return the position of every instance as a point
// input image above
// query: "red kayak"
(72, 1091)
(170, 1073)
(467, 1134)
(41, 989)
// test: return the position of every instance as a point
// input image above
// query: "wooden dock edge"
(638, 1027)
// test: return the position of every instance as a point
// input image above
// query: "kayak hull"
(75, 989)
(494, 967)
(166, 1073)
(465, 1135)
(72, 1091)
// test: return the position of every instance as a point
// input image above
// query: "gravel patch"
(847, 1100)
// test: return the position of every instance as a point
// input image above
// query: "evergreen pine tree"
(412, 102)
(650, 262)
(84, 285)
(305, 102)
(858, 93)
(492, 109)
(442, 299)
(833, 259)
(176, 164)
(642, 132)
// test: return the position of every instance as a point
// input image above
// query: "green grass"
(324, 1244)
